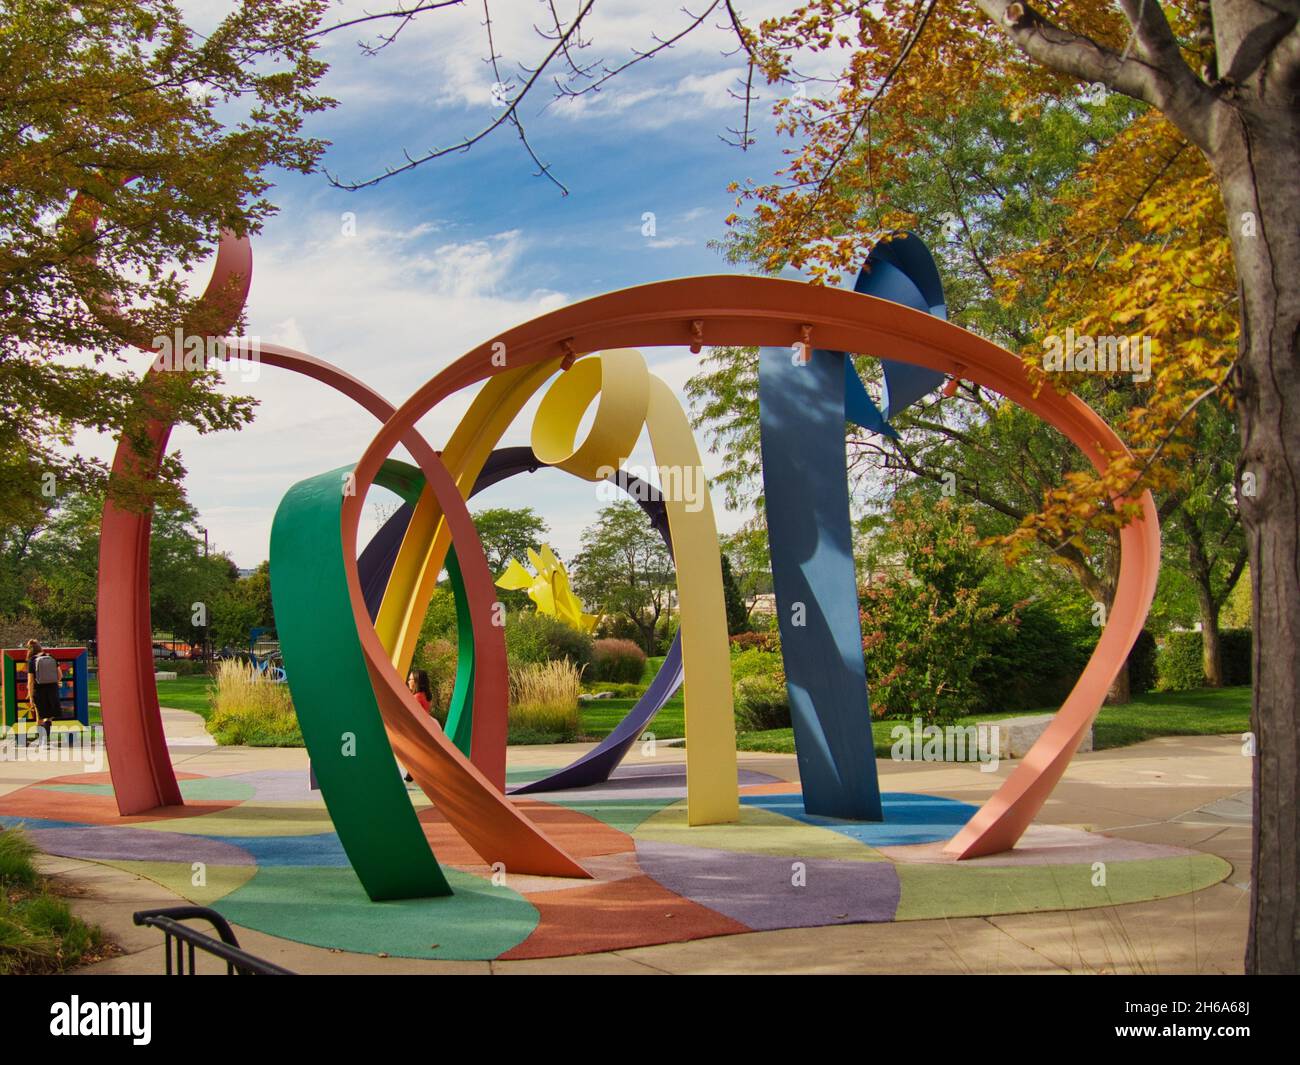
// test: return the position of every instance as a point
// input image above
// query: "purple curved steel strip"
(376, 563)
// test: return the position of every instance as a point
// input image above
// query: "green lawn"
(1204, 712)
(600, 717)
(183, 693)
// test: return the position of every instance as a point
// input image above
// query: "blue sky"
(446, 256)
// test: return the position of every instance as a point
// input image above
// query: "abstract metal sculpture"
(322, 594)
(549, 588)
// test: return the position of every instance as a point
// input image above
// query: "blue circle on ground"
(909, 818)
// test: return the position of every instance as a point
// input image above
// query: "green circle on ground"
(326, 907)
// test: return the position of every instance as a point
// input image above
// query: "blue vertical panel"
(903, 271)
(80, 689)
(802, 411)
(805, 485)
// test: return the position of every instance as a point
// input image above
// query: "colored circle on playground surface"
(774, 870)
(480, 920)
(909, 817)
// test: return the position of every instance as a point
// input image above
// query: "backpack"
(47, 669)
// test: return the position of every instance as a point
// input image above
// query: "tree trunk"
(1257, 157)
(647, 635)
(1211, 649)
(1121, 691)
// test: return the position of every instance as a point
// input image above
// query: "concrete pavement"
(1187, 791)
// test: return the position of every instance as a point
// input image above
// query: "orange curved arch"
(142, 772)
(754, 311)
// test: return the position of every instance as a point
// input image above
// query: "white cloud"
(384, 309)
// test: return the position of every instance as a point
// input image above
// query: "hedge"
(533, 638)
(1142, 664)
(1179, 661)
(617, 661)
(761, 703)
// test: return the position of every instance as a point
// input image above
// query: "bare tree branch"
(562, 41)
(507, 115)
(661, 44)
(403, 13)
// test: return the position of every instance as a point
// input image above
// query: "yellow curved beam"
(630, 397)
(424, 547)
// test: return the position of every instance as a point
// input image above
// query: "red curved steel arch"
(140, 766)
(755, 311)
(732, 310)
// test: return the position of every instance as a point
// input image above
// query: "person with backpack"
(43, 678)
(33, 649)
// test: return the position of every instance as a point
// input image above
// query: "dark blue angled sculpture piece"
(803, 405)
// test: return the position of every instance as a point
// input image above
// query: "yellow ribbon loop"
(628, 397)
(622, 382)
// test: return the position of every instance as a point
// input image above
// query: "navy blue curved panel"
(595, 766)
(806, 494)
(903, 271)
(803, 406)
(375, 565)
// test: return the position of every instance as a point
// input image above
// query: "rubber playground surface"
(259, 847)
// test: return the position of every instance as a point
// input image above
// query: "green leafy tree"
(242, 606)
(624, 569)
(989, 184)
(931, 618)
(62, 573)
(1204, 541)
(737, 614)
(506, 533)
(750, 561)
(167, 135)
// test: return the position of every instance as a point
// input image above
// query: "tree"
(241, 607)
(984, 190)
(624, 569)
(746, 552)
(1223, 75)
(1203, 535)
(165, 135)
(62, 572)
(929, 622)
(737, 614)
(508, 532)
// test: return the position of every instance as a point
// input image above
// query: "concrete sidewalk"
(1187, 791)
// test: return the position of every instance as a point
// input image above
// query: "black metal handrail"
(238, 961)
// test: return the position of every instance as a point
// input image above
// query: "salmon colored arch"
(755, 311)
(479, 811)
(143, 777)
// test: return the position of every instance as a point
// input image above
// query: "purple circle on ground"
(98, 842)
(766, 891)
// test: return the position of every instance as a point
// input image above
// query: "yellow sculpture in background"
(548, 588)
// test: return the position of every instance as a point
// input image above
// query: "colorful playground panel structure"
(74, 701)
(348, 636)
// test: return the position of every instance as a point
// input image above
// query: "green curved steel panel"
(335, 701)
